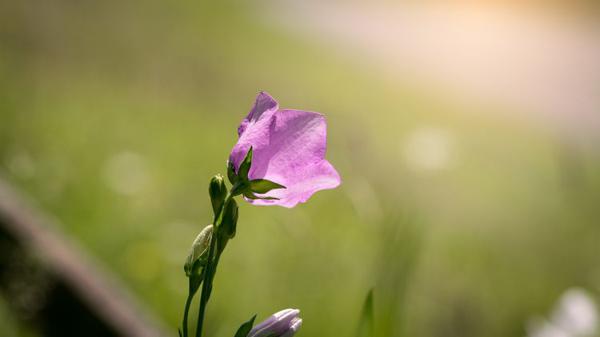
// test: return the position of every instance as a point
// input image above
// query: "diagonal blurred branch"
(96, 292)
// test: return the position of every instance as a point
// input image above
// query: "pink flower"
(288, 148)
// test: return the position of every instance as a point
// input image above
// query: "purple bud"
(284, 323)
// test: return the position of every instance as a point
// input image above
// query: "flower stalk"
(211, 268)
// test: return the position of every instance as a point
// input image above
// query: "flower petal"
(263, 105)
(315, 178)
(288, 148)
(294, 327)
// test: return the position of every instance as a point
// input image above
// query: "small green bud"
(199, 252)
(217, 191)
(230, 218)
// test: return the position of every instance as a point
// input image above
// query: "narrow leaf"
(263, 185)
(245, 328)
(365, 324)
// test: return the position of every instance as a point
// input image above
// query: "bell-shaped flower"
(288, 149)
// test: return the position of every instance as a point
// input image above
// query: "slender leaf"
(366, 322)
(245, 328)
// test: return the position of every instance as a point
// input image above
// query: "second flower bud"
(199, 252)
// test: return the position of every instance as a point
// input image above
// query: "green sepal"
(252, 196)
(245, 328)
(194, 268)
(242, 185)
(233, 178)
(262, 186)
(179, 330)
(195, 279)
(245, 166)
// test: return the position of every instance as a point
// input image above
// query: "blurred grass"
(473, 249)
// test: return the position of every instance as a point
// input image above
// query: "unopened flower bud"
(217, 191)
(199, 250)
(284, 323)
(230, 218)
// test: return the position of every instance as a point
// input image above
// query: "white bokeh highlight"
(429, 149)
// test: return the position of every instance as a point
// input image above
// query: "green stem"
(211, 268)
(188, 302)
(206, 288)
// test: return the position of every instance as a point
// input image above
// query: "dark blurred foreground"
(51, 287)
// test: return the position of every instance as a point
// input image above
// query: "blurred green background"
(466, 220)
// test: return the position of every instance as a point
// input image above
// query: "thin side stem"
(206, 287)
(211, 268)
(188, 302)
